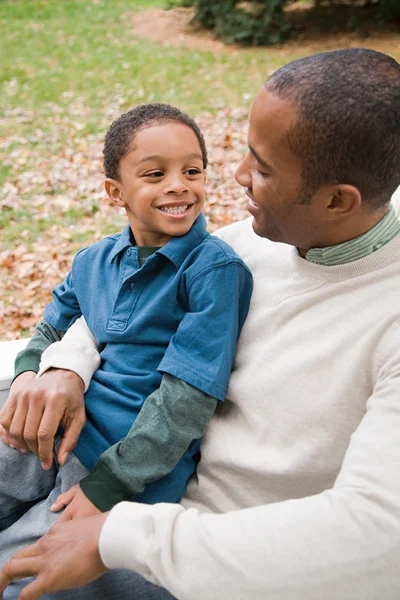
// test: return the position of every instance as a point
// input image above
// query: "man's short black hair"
(121, 134)
(348, 125)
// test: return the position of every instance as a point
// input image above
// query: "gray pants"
(26, 494)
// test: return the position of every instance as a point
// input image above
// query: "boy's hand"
(77, 505)
(66, 557)
(36, 407)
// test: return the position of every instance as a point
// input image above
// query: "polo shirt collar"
(176, 250)
(124, 241)
(179, 247)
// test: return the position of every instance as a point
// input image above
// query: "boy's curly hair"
(122, 131)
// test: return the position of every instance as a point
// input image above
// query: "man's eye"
(262, 173)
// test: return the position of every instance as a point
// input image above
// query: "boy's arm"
(171, 418)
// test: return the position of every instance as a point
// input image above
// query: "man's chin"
(260, 230)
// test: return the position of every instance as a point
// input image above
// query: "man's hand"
(77, 505)
(36, 407)
(66, 557)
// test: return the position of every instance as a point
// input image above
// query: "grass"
(60, 52)
(68, 66)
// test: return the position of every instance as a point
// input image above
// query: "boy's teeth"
(174, 210)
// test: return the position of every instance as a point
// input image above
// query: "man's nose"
(243, 173)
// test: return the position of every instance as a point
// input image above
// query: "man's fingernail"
(64, 457)
(45, 466)
(11, 446)
(23, 450)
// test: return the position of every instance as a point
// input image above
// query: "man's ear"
(342, 201)
(114, 191)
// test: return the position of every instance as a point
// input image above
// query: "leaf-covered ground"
(67, 70)
(62, 198)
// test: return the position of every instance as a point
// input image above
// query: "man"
(304, 454)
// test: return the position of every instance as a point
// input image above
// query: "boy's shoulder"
(104, 246)
(214, 251)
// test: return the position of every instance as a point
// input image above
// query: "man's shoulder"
(245, 242)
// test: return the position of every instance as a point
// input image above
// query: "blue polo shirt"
(180, 313)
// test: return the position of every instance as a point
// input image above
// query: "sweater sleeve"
(171, 418)
(77, 351)
(342, 543)
(29, 358)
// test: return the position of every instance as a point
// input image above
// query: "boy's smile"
(161, 184)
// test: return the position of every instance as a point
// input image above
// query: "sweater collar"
(359, 247)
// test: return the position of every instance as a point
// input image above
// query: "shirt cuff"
(127, 540)
(80, 358)
(103, 489)
(28, 361)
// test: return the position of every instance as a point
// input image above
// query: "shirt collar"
(124, 241)
(179, 247)
(359, 247)
(176, 250)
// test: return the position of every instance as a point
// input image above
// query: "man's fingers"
(16, 429)
(7, 413)
(70, 437)
(16, 568)
(37, 588)
(32, 423)
(45, 436)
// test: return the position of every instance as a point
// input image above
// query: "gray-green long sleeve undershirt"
(29, 358)
(174, 415)
(171, 417)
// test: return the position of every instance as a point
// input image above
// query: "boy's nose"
(176, 185)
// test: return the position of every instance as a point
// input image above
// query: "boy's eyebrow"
(259, 159)
(159, 157)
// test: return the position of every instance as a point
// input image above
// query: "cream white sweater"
(303, 456)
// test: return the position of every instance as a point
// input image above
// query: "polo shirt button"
(132, 285)
(129, 252)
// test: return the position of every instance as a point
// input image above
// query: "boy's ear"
(113, 191)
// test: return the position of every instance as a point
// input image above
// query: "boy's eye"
(154, 174)
(193, 171)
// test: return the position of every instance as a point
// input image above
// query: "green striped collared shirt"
(359, 247)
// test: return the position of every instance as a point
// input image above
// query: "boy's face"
(162, 183)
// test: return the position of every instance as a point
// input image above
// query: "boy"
(165, 302)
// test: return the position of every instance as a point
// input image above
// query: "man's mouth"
(252, 201)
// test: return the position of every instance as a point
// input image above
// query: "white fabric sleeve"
(343, 543)
(77, 351)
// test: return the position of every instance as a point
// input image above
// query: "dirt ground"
(313, 30)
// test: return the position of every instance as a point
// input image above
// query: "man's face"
(271, 175)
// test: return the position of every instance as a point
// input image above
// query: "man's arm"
(35, 409)
(342, 543)
(29, 358)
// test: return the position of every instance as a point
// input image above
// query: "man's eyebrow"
(160, 157)
(259, 159)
